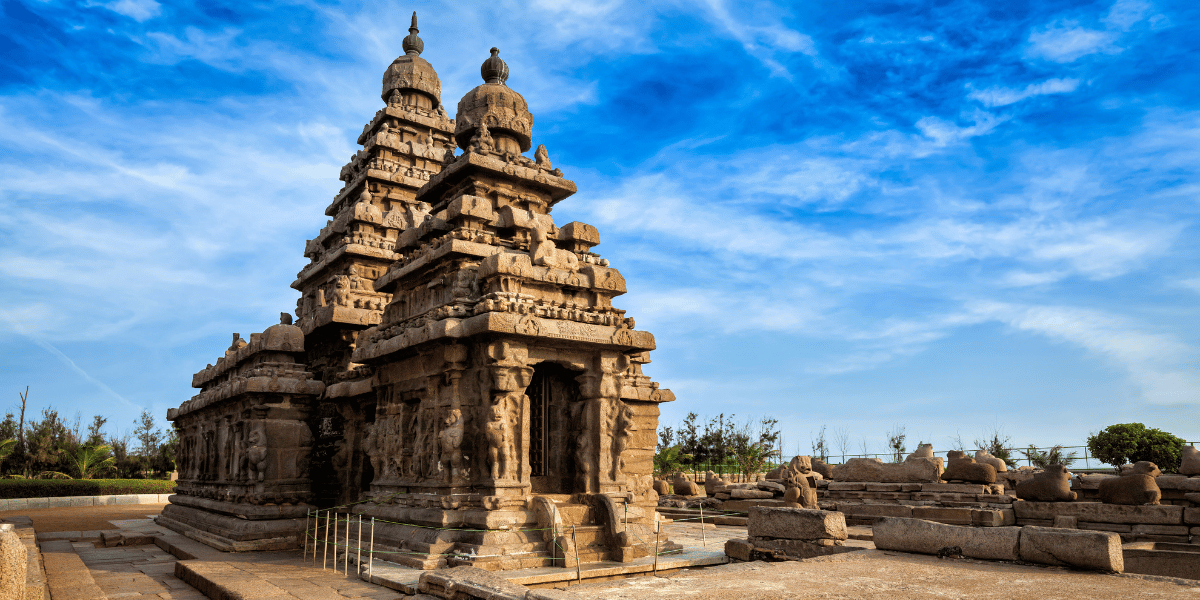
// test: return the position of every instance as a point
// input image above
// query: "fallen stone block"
(469, 582)
(1097, 550)
(801, 548)
(796, 523)
(873, 511)
(738, 549)
(927, 537)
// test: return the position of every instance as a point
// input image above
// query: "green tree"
(89, 461)
(46, 440)
(996, 444)
(669, 460)
(896, 443)
(1133, 442)
(95, 433)
(1053, 456)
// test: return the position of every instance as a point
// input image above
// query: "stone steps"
(67, 577)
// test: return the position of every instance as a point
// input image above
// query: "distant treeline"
(50, 446)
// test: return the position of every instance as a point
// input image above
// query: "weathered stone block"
(1062, 522)
(1191, 516)
(738, 549)
(927, 537)
(954, 488)
(956, 516)
(796, 523)
(876, 510)
(1190, 461)
(802, 548)
(1113, 527)
(1096, 512)
(770, 486)
(469, 582)
(14, 560)
(846, 486)
(751, 494)
(1142, 528)
(1004, 517)
(883, 487)
(1071, 548)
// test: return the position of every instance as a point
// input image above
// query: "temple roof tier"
(471, 164)
(276, 338)
(374, 348)
(412, 114)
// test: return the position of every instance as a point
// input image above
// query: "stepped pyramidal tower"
(456, 370)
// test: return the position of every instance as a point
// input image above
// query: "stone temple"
(456, 369)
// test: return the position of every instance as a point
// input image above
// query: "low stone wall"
(1147, 523)
(952, 503)
(68, 501)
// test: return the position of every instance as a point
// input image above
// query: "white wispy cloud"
(1068, 41)
(1159, 363)
(138, 10)
(1001, 96)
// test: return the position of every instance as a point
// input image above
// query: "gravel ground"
(890, 575)
(83, 518)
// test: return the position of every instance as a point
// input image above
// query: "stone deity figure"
(499, 438)
(257, 454)
(450, 442)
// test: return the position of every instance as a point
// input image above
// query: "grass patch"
(52, 488)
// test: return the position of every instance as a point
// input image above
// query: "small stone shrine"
(457, 369)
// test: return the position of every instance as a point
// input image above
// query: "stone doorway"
(554, 404)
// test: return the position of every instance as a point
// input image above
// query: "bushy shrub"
(1132, 442)
(50, 488)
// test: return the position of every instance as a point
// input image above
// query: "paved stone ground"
(887, 575)
(83, 518)
(284, 576)
(135, 573)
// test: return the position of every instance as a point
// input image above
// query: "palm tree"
(6, 448)
(91, 460)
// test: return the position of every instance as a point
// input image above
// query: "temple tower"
(509, 387)
(457, 369)
(403, 146)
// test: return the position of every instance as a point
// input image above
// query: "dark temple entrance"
(553, 407)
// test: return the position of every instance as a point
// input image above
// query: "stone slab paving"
(142, 572)
(276, 576)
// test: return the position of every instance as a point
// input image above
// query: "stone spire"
(494, 69)
(410, 72)
(413, 46)
(503, 110)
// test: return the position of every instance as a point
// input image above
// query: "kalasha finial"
(494, 69)
(413, 46)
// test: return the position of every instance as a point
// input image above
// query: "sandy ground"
(891, 575)
(83, 518)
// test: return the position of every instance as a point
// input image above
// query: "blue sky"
(948, 216)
